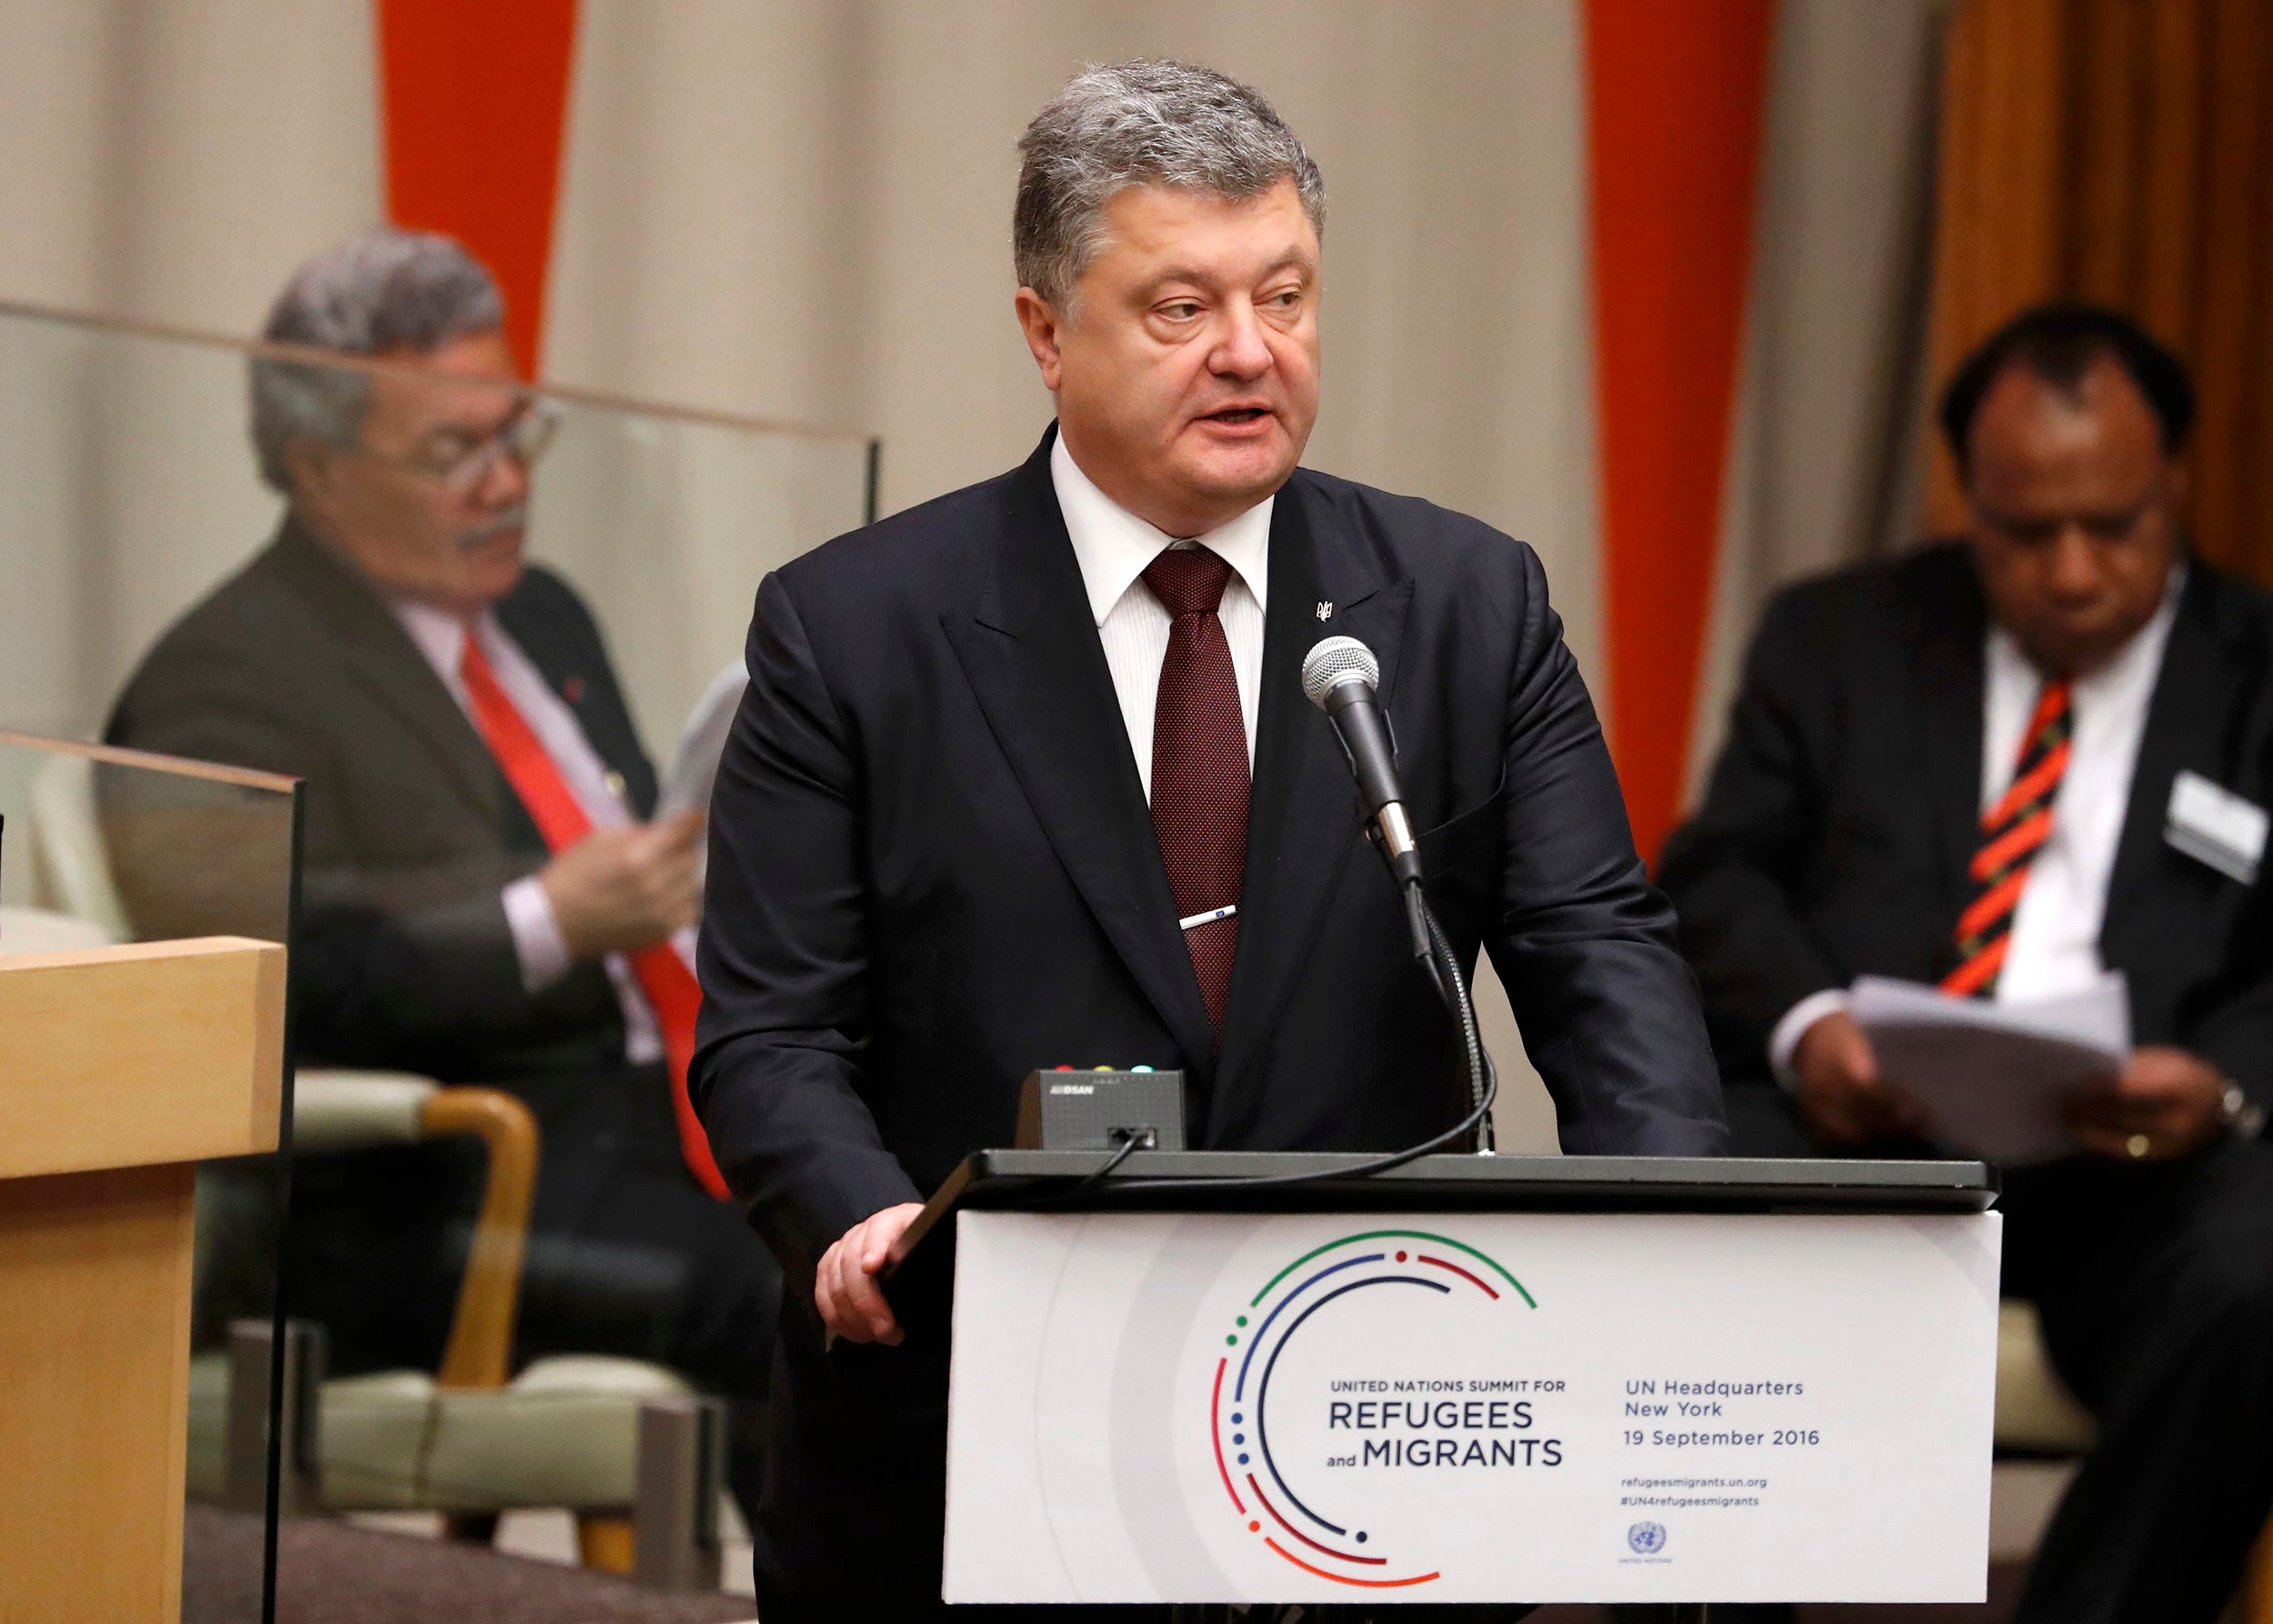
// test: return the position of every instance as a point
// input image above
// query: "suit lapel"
(1949, 688)
(374, 646)
(1031, 654)
(1302, 822)
(2185, 718)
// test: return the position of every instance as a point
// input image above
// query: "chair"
(466, 1440)
(2037, 1416)
(469, 1439)
(42, 930)
(71, 873)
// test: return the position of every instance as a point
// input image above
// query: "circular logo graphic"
(1321, 1542)
(1648, 1538)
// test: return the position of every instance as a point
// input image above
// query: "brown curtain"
(2121, 151)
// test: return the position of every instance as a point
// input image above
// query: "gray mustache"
(515, 517)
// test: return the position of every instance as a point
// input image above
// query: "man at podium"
(1026, 776)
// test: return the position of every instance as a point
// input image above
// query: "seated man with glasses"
(2008, 765)
(484, 896)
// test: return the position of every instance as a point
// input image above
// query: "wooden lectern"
(120, 1070)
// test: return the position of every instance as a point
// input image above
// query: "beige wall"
(813, 221)
(1820, 469)
(175, 162)
(799, 209)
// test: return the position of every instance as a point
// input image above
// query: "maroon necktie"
(1199, 767)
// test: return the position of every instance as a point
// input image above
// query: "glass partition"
(507, 1317)
(129, 488)
(100, 847)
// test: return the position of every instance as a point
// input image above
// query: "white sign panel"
(1169, 1407)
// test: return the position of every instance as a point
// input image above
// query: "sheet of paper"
(1995, 1078)
(695, 768)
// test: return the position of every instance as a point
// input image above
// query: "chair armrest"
(42, 930)
(479, 1353)
(354, 1110)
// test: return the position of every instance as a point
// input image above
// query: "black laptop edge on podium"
(1224, 1181)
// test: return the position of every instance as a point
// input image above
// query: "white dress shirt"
(2054, 945)
(1113, 546)
(537, 942)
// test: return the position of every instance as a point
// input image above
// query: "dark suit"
(933, 870)
(404, 959)
(1833, 842)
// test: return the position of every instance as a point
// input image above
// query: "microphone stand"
(1433, 951)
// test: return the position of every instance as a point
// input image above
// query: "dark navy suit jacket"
(933, 870)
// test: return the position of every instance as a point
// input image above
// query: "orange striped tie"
(2012, 832)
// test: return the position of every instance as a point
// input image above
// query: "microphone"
(1339, 676)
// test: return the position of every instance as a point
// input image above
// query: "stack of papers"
(1995, 1079)
(695, 768)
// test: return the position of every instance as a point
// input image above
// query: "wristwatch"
(2236, 1112)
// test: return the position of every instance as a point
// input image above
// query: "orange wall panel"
(1676, 97)
(474, 98)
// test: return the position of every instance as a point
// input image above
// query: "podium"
(120, 1069)
(1467, 1379)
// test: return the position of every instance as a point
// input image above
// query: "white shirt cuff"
(1782, 1042)
(536, 939)
(643, 1038)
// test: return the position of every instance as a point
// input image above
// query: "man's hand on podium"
(845, 1285)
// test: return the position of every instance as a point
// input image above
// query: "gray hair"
(385, 291)
(1151, 122)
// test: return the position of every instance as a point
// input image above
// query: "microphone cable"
(1443, 967)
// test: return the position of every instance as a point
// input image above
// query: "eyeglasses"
(461, 463)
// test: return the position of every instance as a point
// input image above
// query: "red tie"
(1199, 765)
(673, 993)
(2012, 832)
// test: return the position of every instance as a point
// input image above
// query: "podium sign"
(1160, 1406)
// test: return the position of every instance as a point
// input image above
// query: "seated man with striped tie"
(2008, 765)
(484, 898)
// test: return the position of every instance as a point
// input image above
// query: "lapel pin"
(573, 690)
(1325, 610)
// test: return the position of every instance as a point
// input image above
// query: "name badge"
(2213, 825)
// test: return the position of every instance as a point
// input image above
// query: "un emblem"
(1648, 1538)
